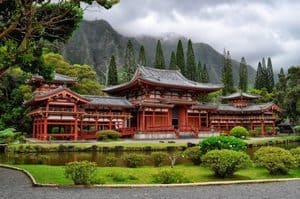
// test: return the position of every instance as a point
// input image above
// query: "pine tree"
(112, 75)
(259, 82)
(180, 61)
(199, 72)
(190, 62)
(142, 56)
(264, 78)
(173, 65)
(205, 77)
(227, 78)
(130, 64)
(159, 56)
(280, 89)
(270, 75)
(243, 83)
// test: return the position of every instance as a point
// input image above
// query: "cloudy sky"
(253, 29)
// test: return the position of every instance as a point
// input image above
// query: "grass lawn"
(143, 175)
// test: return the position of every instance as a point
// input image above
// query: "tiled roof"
(240, 95)
(108, 101)
(57, 77)
(166, 77)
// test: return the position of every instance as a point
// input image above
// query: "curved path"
(16, 185)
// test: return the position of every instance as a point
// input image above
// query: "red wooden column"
(110, 118)
(33, 129)
(153, 118)
(262, 127)
(45, 125)
(143, 120)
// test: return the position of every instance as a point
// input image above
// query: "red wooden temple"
(154, 102)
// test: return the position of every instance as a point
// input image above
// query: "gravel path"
(15, 185)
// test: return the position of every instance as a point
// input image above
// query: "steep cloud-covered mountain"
(94, 42)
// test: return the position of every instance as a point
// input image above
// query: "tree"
(142, 57)
(173, 64)
(190, 62)
(270, 75)
(280, 87)
(243, 83)
(204, 76)
(227, 78)
(199, 72)
(259, 79)
(180, 61)
(112, 75)
(129, 66)
(26, 24)
(159, 57)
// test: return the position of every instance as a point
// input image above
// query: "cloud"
(253, 29)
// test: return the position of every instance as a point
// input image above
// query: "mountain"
(94, 42)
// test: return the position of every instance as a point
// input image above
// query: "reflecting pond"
(61, 158)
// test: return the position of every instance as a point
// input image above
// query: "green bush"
(225, 162)
(222, 142)
(193, 154)
(297, 128)
(108, 134)
(275, 159)
(169, 177)
(158, 158)
(239, 132)
(296, 153)
(133, 160)
(10, 136)
(80, 172)
(110, 161)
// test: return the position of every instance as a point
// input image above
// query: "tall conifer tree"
(205, 76)
(259, 81)
(190, 62)
(180, 61)
(130, 64)
(270, 75)
(112, 75)
(142, 56)
(173, 64)
(199, 72)
(280, 89)
(159, 56)
(227, 78)
(243, 73)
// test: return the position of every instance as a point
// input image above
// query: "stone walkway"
(16, 185)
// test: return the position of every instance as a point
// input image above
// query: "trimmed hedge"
(193, 154)
(133, 160)
(169, 177)
(296, 153)
(275, 159)
(81, 173)
(158, 158)
(225, 162)
(239, 132)
(222, 142)
(108, 134)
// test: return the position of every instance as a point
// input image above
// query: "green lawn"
(143, 175)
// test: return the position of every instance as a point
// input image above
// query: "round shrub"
(225, 162)
(80, 172)
(110, 161)
(222, 142)
(158, 158)
(275, 159)
(239, 132)
(169, 177)
(193, 154)
(296, 153)
(108, 134)
(133, 160)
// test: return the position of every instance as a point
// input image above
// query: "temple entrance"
(175, 118)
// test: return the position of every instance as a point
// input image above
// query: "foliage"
(80, 173)
(129, 66)
(159, 60)
(158, 158)
(279, 89)
(180, 61)
(296, 153)
(169, 177)
(270, 75)
(204, 75)
(142, 56)
(243, 73)
(239, 132)
(110, 161)
(190, 62)
(227, 77)
(108, 134)
(173, 64)
(9, 136)
(133, 160)
(265, 96)
(222, 142)
(112, 76)
(225, 162)
(193, 154)
(275, 159)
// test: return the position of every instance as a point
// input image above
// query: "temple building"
(154, 104)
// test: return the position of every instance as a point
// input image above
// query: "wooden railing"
(159, 128)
